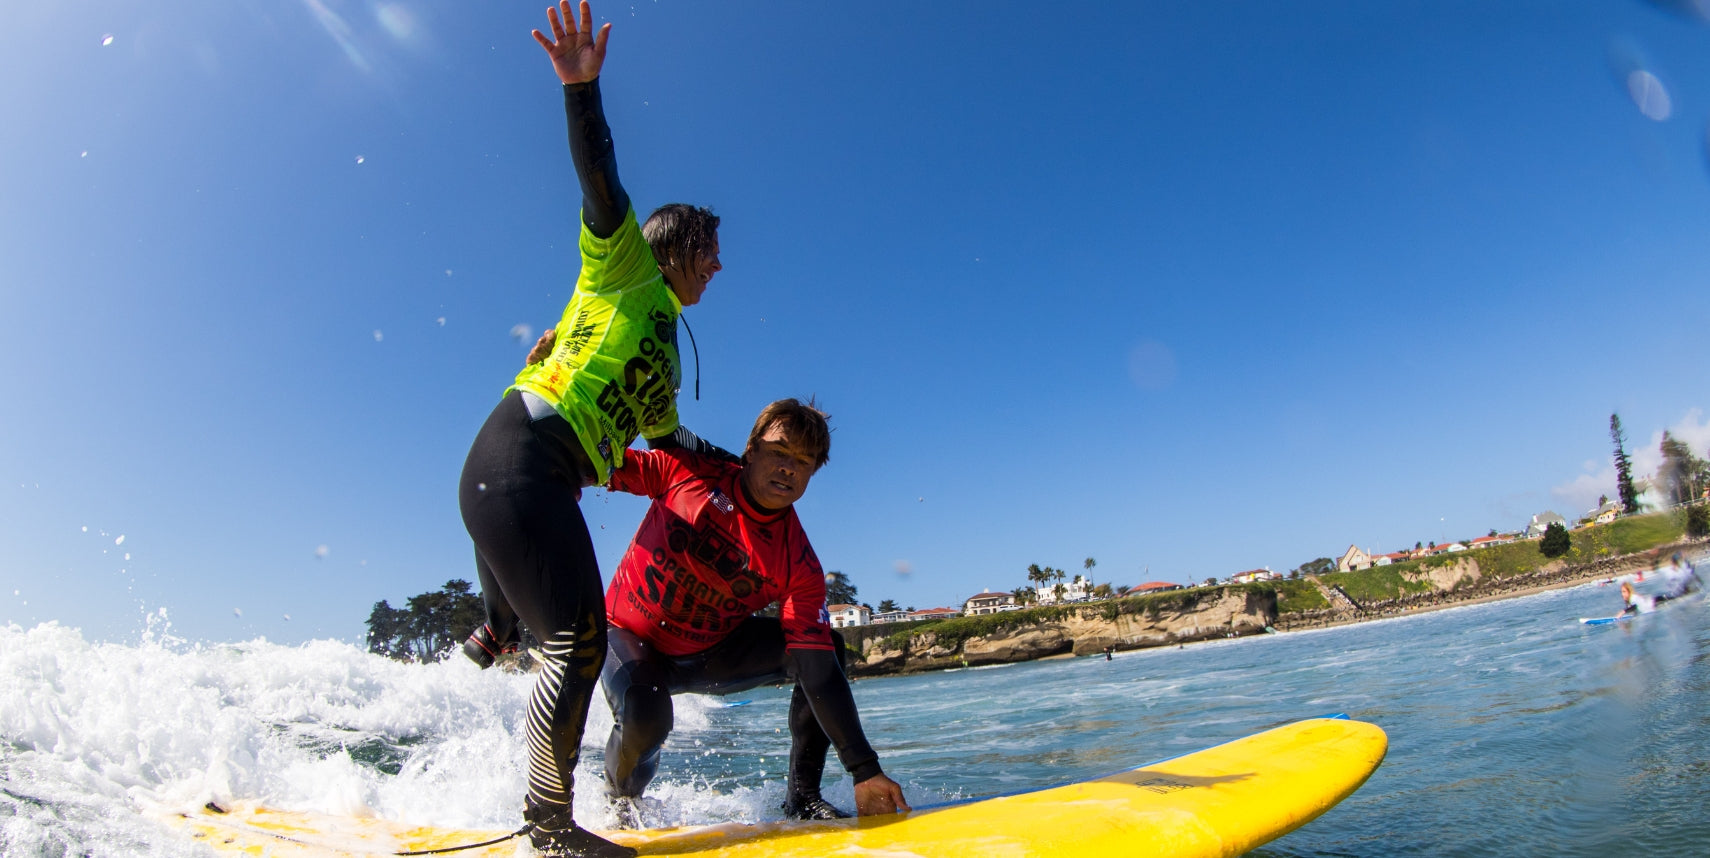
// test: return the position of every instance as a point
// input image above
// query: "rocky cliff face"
(1448, 577)
(1087, 632)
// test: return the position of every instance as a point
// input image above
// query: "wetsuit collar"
(751, 507)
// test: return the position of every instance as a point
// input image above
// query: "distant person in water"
(720, 542)
(1632, 602)
(565, 424)
(1679, 579)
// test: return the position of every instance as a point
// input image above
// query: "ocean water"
(1514, 730)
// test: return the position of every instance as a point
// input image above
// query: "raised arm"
(577, 54)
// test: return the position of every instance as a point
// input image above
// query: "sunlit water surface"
(1514, 730)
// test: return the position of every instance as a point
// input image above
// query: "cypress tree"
(1623, 467)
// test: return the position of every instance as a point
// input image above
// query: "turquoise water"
(1514, 730)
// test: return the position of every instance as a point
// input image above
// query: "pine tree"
(431, 626)
(1623, 468)
(838, 589)
(1556, 541)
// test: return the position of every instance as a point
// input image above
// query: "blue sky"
(1187, 288)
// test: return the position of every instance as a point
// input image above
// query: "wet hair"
(802, 422)
(678, 232)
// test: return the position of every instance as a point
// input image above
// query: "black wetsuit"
(639, 682)
(518, 495)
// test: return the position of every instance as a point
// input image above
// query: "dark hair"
(802, 422)
(679, 231)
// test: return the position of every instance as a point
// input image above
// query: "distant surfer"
(720, 542)
(1678, 579)
(1634, 602)
(564, 424)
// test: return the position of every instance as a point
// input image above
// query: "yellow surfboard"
(1221, 801)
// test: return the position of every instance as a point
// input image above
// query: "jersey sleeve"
(645, 472)
(668, 422)
(618, 263)
(802, 606)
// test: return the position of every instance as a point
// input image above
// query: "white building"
(1354, 558)
(986, 602)
(843, 616)
(1077, 590)
(1543, 520)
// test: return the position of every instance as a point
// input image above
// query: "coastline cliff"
(1128, 623)
(1206, 613)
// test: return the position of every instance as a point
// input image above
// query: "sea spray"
(99, 738)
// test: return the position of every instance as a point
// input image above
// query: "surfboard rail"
(1221, 801)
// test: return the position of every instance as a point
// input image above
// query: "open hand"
(577, 53)
(879, 794)
(542, 346)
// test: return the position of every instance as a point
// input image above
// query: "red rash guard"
(705, 557)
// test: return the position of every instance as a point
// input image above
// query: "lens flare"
(1649, 95)
(396, 20)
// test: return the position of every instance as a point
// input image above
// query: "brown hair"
(677, 232)
(803, 422)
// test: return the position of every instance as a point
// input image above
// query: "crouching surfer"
(719, 542)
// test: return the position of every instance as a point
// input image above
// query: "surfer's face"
(778, 469)
(690, 282)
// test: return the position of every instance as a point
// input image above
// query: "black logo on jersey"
(714, 549)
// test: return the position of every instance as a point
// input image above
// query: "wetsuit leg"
(637, 685)
(520, 508)
(808, 740)
(502, 632)
(754, 655)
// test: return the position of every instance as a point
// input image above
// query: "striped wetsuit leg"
(518, 498)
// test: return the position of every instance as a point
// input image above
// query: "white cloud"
(1582, 491)
(1692, 429)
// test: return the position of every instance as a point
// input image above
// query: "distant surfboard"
(1604, 621)
(1222, 801)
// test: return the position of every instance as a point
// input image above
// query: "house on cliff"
(843, 616)
(1154, 587)
(934, 614)
(987, 602)
(1488, 541)
(1252, 575)
(1354, 558)
(889, 617)
(1077, 589)
(1543, 520)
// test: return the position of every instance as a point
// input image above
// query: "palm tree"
(1060, 590)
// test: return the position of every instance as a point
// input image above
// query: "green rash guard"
(613, 372)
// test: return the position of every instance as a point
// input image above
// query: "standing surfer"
(611, 376)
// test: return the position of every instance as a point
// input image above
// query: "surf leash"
(250, 829)
(517, 833)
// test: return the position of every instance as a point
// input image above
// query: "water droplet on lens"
(378, 336)
(106, 40)
(360, 159)
(1649, 95)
